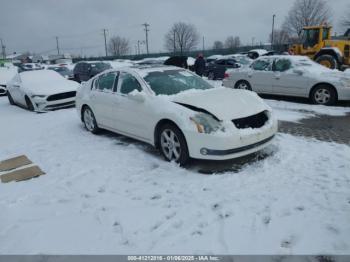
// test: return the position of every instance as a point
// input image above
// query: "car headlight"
(205, 123)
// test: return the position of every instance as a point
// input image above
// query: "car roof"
(143, 70)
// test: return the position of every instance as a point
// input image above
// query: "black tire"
(323, 95)
(211, 75)
(77, 78)
(244, 85)
(10, 98)
(29, 103)
(179, 138)
(327, 61)
(89, 120)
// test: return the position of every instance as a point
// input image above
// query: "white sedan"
(41, 90)
(177, 112)
(292, 76)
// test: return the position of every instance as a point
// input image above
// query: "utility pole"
(253, 39)
(203, 44)
(3, 49)
(138, 47)
(104, 33)
(57, 45)
(146, 30)
(273, 30)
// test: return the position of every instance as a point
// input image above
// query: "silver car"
(292, 76)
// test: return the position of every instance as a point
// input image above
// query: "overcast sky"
(32, 25)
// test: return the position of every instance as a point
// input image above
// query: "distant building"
(18, 58)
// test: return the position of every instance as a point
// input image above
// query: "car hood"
(52, 88)
(223, 103)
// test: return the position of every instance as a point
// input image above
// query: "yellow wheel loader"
(318, 44)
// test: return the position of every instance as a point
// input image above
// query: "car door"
(132, 116)
(287, 81)
(260, 77)
(101, 97)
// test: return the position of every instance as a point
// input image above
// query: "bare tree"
(181, 37)
(118, 46)
(345, 21)
(306, 13)
(280, 37)
(218, 45)
(232, 42)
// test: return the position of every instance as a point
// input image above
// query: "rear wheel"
(328, 61)
(243, 85)
(211, 75)
(323, 95)
(10, 98)
(77, 78)
(29, 104)
(90, 120)
(172, 144)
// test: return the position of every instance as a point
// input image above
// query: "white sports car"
(177, 112)
(41, 90)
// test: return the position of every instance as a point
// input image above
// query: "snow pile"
(294, 112)
(6, 74)
(107, 194)
(190, 61)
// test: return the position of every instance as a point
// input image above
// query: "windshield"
(171, 82)
(310, 37)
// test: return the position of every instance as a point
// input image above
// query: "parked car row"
(296, 76)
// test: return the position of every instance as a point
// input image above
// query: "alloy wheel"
(170, 145)
(322, 96)
(89, 120)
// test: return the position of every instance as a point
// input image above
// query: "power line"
(146, 30)
(104, 33)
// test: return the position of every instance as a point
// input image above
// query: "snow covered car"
(292, 76)
(177, 112)
(6, 74)
(41, 90)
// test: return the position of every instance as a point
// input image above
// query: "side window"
(105, 82)
(220, 62)
(129, 84)
(261, 65)
(231, 62)
(282, 65)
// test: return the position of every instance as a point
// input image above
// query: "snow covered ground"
(108, 194)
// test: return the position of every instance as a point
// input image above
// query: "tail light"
(226, 75)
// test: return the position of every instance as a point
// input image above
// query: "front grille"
(61, 96)
(254, 121)
(347, 51)
(61, 105)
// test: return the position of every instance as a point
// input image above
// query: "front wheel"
(29, 104)
(243, 85)
(172, 144)
(328, 61)
(90, 120)
(323, 95)
(10, 98)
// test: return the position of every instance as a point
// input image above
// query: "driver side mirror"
(298, 71)
(137, 96)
